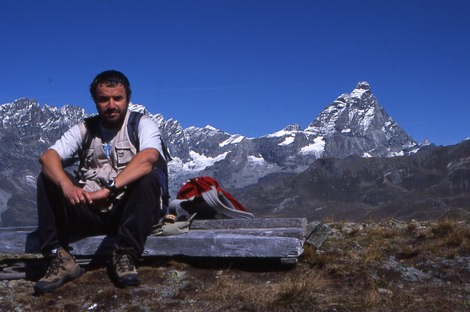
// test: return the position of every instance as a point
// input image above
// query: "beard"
(112, 118)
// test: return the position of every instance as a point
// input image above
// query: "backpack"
(92, 126)
(204, 197)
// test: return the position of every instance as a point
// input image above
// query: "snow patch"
(288, 140)
(369, 116)
(234, 139)
(316, 148)
(290, 130)
(31, 181)
(395, 154)
(137, 108)
(209, 127)
(357, 93)
(256, 161)
(197, 163)
(278, 134)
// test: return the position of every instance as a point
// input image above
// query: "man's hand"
(76, 195)
(52, 169)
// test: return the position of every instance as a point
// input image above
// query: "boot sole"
(128, 281)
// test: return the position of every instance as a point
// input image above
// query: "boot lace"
(124, 263)
(54, 267)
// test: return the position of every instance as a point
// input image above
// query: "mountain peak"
(138, 108)
(362, 88)
(357, 121)
(293, 127)
(363, 85)
(289, 130)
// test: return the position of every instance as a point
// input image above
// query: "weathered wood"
(197, 244)
(258, 238)
(256, 223)
(19, 241)
(261, 223)
(317, 233)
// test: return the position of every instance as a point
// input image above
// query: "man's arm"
(52, 168)
(141, 164)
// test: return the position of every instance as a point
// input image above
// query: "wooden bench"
(273, 238)
(280, 238)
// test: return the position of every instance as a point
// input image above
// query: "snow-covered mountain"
(354, 124)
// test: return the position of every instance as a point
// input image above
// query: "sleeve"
(150, 135)
(69, 144)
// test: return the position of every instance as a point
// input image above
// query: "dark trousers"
(131, 219)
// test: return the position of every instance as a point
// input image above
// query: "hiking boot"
(124, 268)
(62, 268)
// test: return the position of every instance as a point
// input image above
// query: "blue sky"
(250, 67)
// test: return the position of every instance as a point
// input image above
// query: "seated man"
(117, 191)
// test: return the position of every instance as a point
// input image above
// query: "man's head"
(112, 93)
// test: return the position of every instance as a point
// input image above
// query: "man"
(117, 190)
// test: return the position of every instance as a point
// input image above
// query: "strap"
(213, 204)
(91, 128)
(175, 205)
(223, 206)
(132, 127)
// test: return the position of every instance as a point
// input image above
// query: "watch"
(111, 186)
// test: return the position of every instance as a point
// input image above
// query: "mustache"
(112, 110)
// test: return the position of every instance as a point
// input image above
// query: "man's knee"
(149, 180)
(45, 188)
(42, 181)
(148, 184)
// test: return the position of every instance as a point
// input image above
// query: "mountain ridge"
(354, 124)
(433, 183)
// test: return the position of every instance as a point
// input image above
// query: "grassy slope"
(386, 266)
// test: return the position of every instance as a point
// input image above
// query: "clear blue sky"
(248, 66)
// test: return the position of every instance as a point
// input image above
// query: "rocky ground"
(385, 266)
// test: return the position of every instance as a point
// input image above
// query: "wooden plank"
(277, 238)
(256, 223)
(261, 223)
(202, 244)
(317, 233)
(18, 242)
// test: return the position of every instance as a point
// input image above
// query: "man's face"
(111, 103)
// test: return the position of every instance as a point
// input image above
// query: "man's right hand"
(76, 195)
(52, 168)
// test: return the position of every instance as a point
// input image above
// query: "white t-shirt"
(71, 141)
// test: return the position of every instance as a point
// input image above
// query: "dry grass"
(293, 292)
(385, 266)
(353, 272)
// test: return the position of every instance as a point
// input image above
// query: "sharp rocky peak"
(363, 85)
(293, 128)
(353, 111)
(353, 120)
